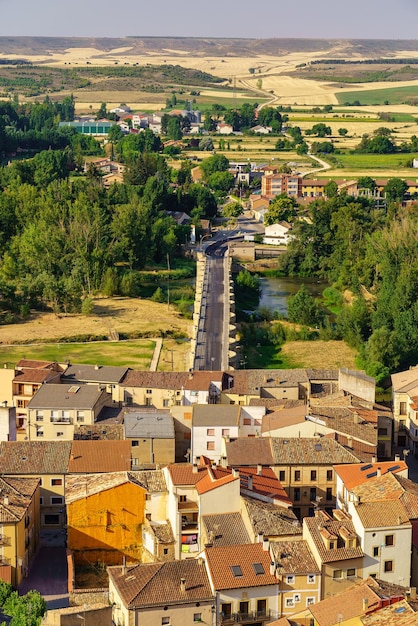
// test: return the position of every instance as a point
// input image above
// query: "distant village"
(249, 497)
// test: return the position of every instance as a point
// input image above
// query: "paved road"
(48, 575)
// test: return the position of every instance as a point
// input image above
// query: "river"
(275, 291)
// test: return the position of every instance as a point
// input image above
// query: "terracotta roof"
(222, 559)
(158, 584)
(94, 373)
(250, 451)
(271, 520)
(201, 380)
(398, 614)
(155, 380)
(382, 514)
(85, 485)
(16, 496)
(323, 522)
(295, 451)
(265, 485)
(212, 481)
(404, 379)
(34, 457)
(348, 604)
(183, 474)
(33, 364)
(293, 557)
(225, 529)
(359, 473)
(89, 457)
(284, 416)
(162, 531)
(151, 480)
(341, 419)
(28, 375)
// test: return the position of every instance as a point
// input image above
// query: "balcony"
(61, 420)
(244, 618)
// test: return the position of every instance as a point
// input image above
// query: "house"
(273, 185)
(7, 422)
(201, 387)
(262, 130)
(19, 536)
(304, 466)
(277, 234)
(151, 433)
(158, 389)
(224, 529)
(298, 574)
(274, 522)
(29, 376)
(155, 594)
(224, 129)
(336, 549)
(244, 583)
(46, 461)
(405, 392)
(123, 108)
(56, 409)
(99, 457)
(105, 513)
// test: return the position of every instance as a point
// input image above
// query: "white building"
(278, 234)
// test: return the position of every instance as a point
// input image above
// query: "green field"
(393, 95)
(372, 161)
(136, 354)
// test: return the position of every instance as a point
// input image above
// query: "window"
(182, 498)
(311, 579)
(80, 416)
(261, 608)
(210, 445)
(310, 601)
(55, 415)
(312, 494)
(39, 432)
(296, 597)
(135, 443)
(296, 494)
(166, 402)
(60, 433)
(258, 568)
(236, 570)
(148, 391)
(55, 482)
(51, 520)
(210, 432)
(402, 408)
(282, 475)
(330, 475)
(165, 621)
(313, 474)
(41, 500)
(226, 609)
(376, 551)
(388, 566)
(389, 540)
(331, 545)
(39, 416)
(337, 573)
(297, 476)
(165, 551)
(225, 432)
(197, 617)
(290, 602)
(329, 493)
(243, 607)
(351, 572)
(382, 432)
(290, 580)
(247, 421)
(57, 500)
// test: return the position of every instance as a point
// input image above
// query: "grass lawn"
(373, 161)
(294, 354)
(393, 95)
(135, 353)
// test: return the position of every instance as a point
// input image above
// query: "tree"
(281, 209)
(343, 132)
(322, 147)
(115, 133)
(209, 123)
(233, 209)
(215, 163)
(206, 143)
(396, 189)
(174, 128)
(221, 181)
(366, 182)
(102, 112)
(331, 189)
(321, 130)
(302, 308)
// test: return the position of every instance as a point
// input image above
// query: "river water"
(275, 291)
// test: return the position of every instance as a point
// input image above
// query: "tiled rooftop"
(250, 451)
(158, 584)
(162, 531)
(382, 514)
(223, 559)
(216, 415)
(99, 456)
(359, 473)
(293, 557)
(85, 485)
(155, 380)
(16, 495)
(345, 606)
(398, 614)
(28, 375)
(34, 457)
(332, 527)
(225, 529)
(271, 520)
(323, 451)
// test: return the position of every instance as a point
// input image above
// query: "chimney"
(397, 457)
(194, 470)
(365, 604)
(259, 470)
(250, 483)
(6, 501)
(214, 466)
(235, 473)
(266, 544)
(260, 537)
(272, 568)
(379, 471)
(97, 367)
(182, 585)
(413, 593)
(357, 418)
(373, 459)
(223, 461)
(124, 570)
(4, 403)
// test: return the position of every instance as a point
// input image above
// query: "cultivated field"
(319, 354)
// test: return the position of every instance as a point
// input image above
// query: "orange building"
(105, 513)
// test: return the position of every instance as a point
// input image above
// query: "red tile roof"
(88, 457)
(356, 474)
(222, 559)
